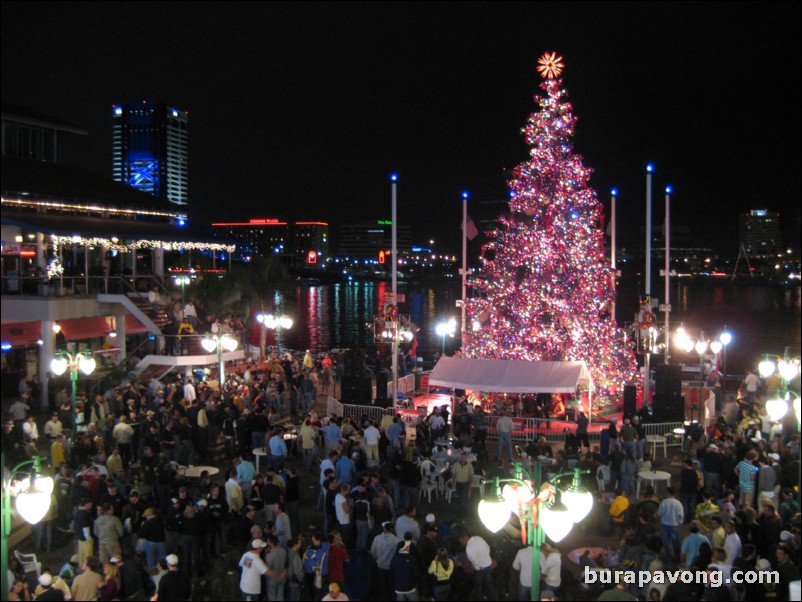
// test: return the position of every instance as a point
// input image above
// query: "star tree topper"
(550, 65)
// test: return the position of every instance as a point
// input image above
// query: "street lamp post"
(725, 338)
(182, 281)
(444, 329)
(33, 501)
(788, 369)
(538, 508)
(220, 342)
(273, 323)
(82, 361)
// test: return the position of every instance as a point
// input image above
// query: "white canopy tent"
(511, 376)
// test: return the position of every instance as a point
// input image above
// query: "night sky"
(303, 110)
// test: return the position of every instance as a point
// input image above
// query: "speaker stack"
(630, 400)
(382, 376)
(354, 363)
(669, 405)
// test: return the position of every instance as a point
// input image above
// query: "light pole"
(82, 361)
(538, 508)
(182, 281)
(444, 329)
(220, 342)
(394, 273)
(667, 267)
(33, 501)
(613, 196)
(647, 389)
(725, 338)
(272, 322)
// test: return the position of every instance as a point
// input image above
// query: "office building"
(760, 235)
(150, 149)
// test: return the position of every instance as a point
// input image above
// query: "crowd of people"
(145, 527)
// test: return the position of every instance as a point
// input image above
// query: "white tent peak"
(510, 376)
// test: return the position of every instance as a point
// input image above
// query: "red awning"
(22, 334)
(85, 328)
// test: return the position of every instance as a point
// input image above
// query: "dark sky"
(303, 110)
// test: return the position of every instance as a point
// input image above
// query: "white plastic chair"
(451, 490)
(601, 481)
(29, 563)
(428, 485)
(478, 483)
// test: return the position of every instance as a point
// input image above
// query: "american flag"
(470, 229)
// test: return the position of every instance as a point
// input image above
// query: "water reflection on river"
(763, 319)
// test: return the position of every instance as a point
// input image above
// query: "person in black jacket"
(176, 584)
(405, 571)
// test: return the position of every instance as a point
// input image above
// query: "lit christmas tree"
(546, 287)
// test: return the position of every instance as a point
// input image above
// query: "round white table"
(653, 477)
(194, 472)
(259, 452)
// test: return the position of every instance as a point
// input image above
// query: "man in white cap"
(46, 591)
(176, 584)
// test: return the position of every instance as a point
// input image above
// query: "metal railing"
(38, 286)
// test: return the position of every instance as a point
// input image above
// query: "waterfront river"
(762, 319)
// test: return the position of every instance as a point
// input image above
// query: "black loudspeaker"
(356, 389)
(630, 400)
(354, 362)
(381, 384)
(668, 408)
(667, 380)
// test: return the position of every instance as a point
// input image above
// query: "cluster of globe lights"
(273, 322)
(789, 369)
(83, 362)
(556, 518)
(227, 342)
(684, 341)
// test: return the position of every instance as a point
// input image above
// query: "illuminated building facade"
(760, 235)
(150, 149)
(364, 241)
(299, 243)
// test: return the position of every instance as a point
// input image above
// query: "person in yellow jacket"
(618, 510)
(441, 567)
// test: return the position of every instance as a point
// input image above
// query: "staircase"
(159, 318)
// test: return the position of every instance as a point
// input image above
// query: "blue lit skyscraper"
(150, 149)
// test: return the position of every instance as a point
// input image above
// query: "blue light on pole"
(650, 167)
(465, 195)
(393, 177)
(614, 192)
(669, 189)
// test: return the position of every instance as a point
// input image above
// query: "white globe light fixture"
(556, 521)
(209, 344)
(766, 368)
(777, 409)
(59, 365)
(34, 503)
(716, 346)
(494, 513)
(725, 338)
(701, 347)
(789, 369)
(578, 502)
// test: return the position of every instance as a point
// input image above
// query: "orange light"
(311, 257)
(381, 256)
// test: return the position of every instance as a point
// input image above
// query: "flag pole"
(464, 258)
